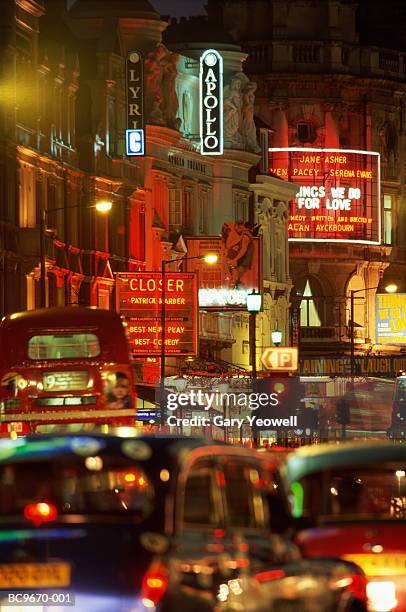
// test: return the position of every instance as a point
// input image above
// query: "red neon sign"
(338, 197)
(139, 300)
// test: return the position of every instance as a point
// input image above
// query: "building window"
(309, 316)
(305, 132)
(103, 298)
(203, 202)
(387, 219)
(175, 208)
(240, 207)
(188, 209)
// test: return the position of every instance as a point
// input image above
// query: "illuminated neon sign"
(139, 299)
(211, 103)
(135, 132)
(338, 197)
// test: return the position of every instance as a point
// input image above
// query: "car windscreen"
(63, 346)
(360, 493)
(87, 485)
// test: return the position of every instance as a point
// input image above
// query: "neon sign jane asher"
(211, 103)
(338, 194)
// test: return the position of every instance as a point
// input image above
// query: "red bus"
(65, 367)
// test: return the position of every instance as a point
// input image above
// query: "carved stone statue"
(186, 113)
(161, 100)
(239, 126)
(248, 129)
(153, 90)
(232, 111)
(170, 97)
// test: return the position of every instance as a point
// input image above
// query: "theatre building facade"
(62, 130)
(333, 106)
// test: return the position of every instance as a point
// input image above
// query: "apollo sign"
(211, 103)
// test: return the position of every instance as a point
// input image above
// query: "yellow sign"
(391, 318)
(380, 564)
(28, 575)
(280, 359)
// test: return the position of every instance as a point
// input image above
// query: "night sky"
(179, 8)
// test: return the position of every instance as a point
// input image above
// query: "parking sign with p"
(280, 359)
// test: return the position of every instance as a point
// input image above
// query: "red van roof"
(17, 328)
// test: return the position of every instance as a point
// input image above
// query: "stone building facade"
(62, 149)
(331, 74)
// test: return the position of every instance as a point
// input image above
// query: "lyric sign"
(338, 196)
(139, 298)
(211, 103)
(135, 91)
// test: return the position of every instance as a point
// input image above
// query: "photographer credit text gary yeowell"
(206, 402)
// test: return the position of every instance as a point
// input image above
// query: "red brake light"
(40, 512)
(358, 586)
(154, 585)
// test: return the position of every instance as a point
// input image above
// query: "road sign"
(280, 359)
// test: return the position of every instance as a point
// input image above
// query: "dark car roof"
(317, 458)
(155, 449)
(16, 328)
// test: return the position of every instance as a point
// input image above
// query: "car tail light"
(276, 574)
(40, 512)
(154, 584)
(355, 583)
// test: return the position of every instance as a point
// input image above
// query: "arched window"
(309, 307)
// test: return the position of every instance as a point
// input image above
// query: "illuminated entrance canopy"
(338, 196)
(211, 103)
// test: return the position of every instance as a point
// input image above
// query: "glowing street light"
(104, 206)
(209, 259)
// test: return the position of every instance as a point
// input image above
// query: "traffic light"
(343, 412)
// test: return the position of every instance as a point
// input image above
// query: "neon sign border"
(358, 152)
(221, 109)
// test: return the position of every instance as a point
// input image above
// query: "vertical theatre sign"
(211, 103)
(135, 135)
(338, 193)
(139, 300)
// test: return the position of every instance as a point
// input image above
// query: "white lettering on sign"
(335, 198)
(223, 297)
(211, 103)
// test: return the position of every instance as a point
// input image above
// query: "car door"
(250, 544)
(198, 539)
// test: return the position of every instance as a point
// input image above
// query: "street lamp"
(391, 288)
(276, 336)
(254, 305)
(209, 258)
(101, 207)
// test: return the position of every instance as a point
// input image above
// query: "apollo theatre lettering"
(135, 91)
(211, 103)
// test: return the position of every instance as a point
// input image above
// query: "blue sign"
(135, 142)
(147, 415)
